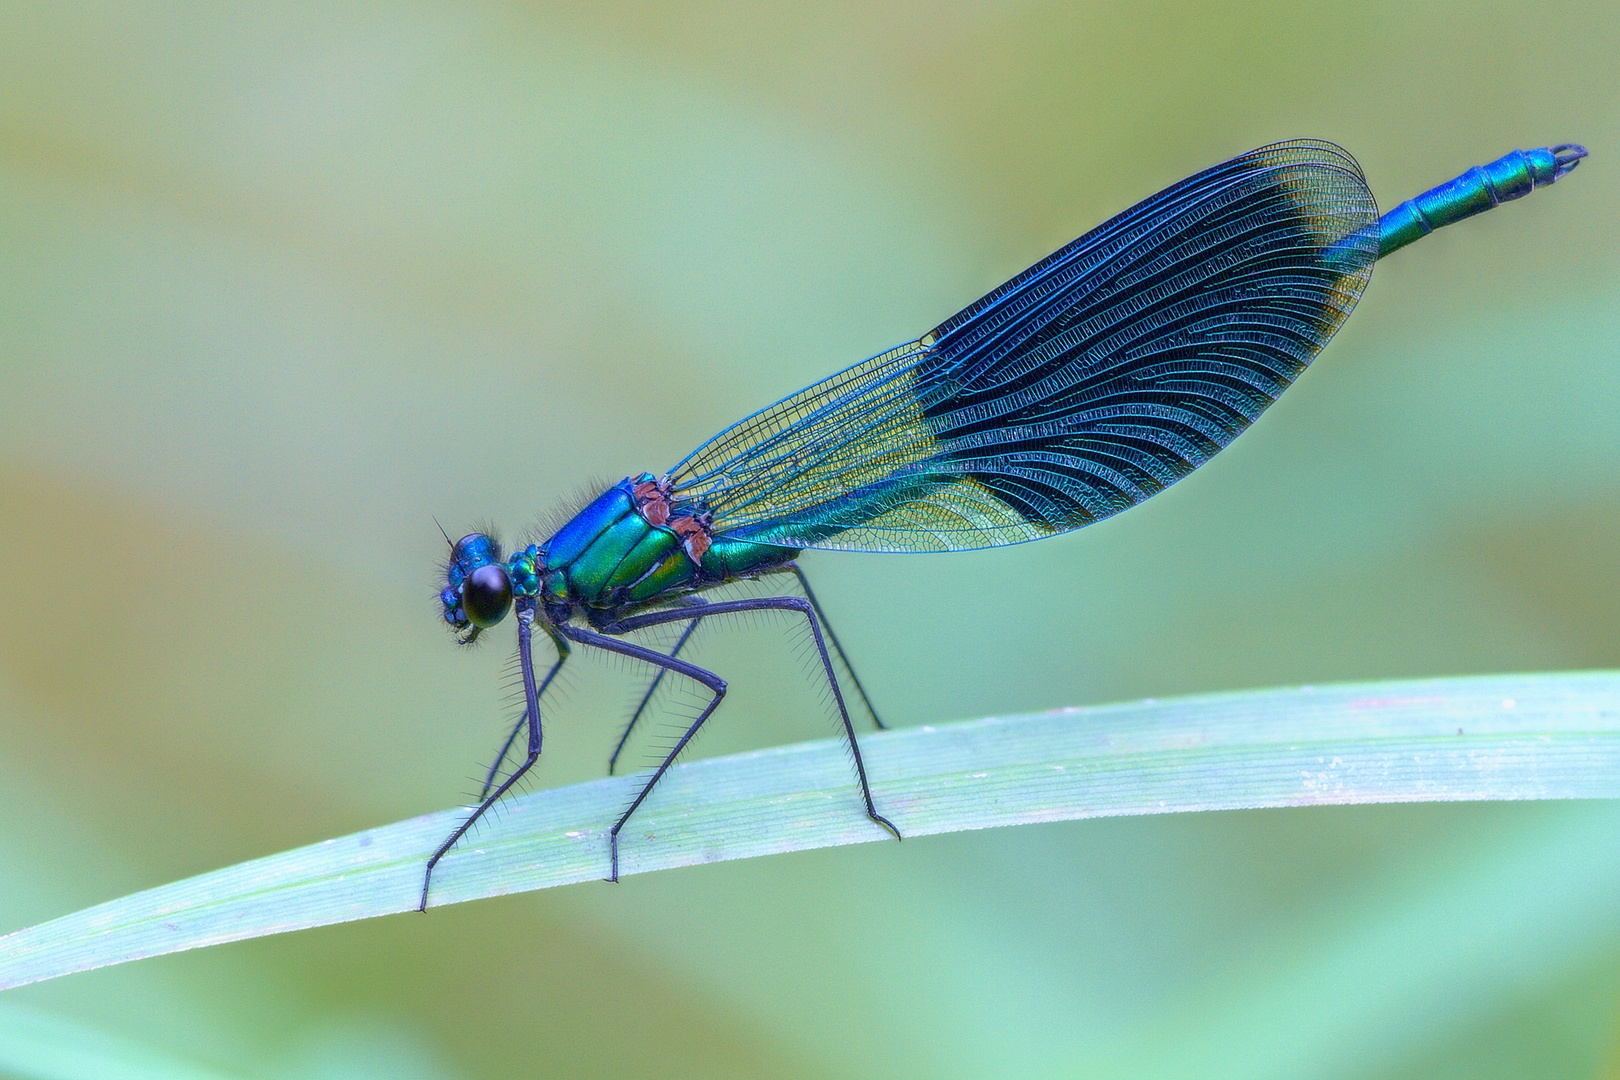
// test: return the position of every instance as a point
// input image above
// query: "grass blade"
(39, 1046)
(1548, 736)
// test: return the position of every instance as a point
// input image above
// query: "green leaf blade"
(1554, 736)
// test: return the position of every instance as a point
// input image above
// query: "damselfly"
(1099, 376)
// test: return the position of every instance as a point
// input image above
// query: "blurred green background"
(280, 283)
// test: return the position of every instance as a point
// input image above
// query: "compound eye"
(487, 595)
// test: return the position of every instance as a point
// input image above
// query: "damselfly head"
(477, 592)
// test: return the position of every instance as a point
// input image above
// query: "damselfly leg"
(523, 721)
(832, 636)
(531, 698)
(717, 687)
(686, 635)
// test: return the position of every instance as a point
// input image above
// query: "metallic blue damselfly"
(1099, 376)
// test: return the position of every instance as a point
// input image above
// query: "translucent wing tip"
(1565, 157)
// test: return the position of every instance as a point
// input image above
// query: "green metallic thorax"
(631, 547)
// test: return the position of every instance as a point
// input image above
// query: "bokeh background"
(281, 283)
